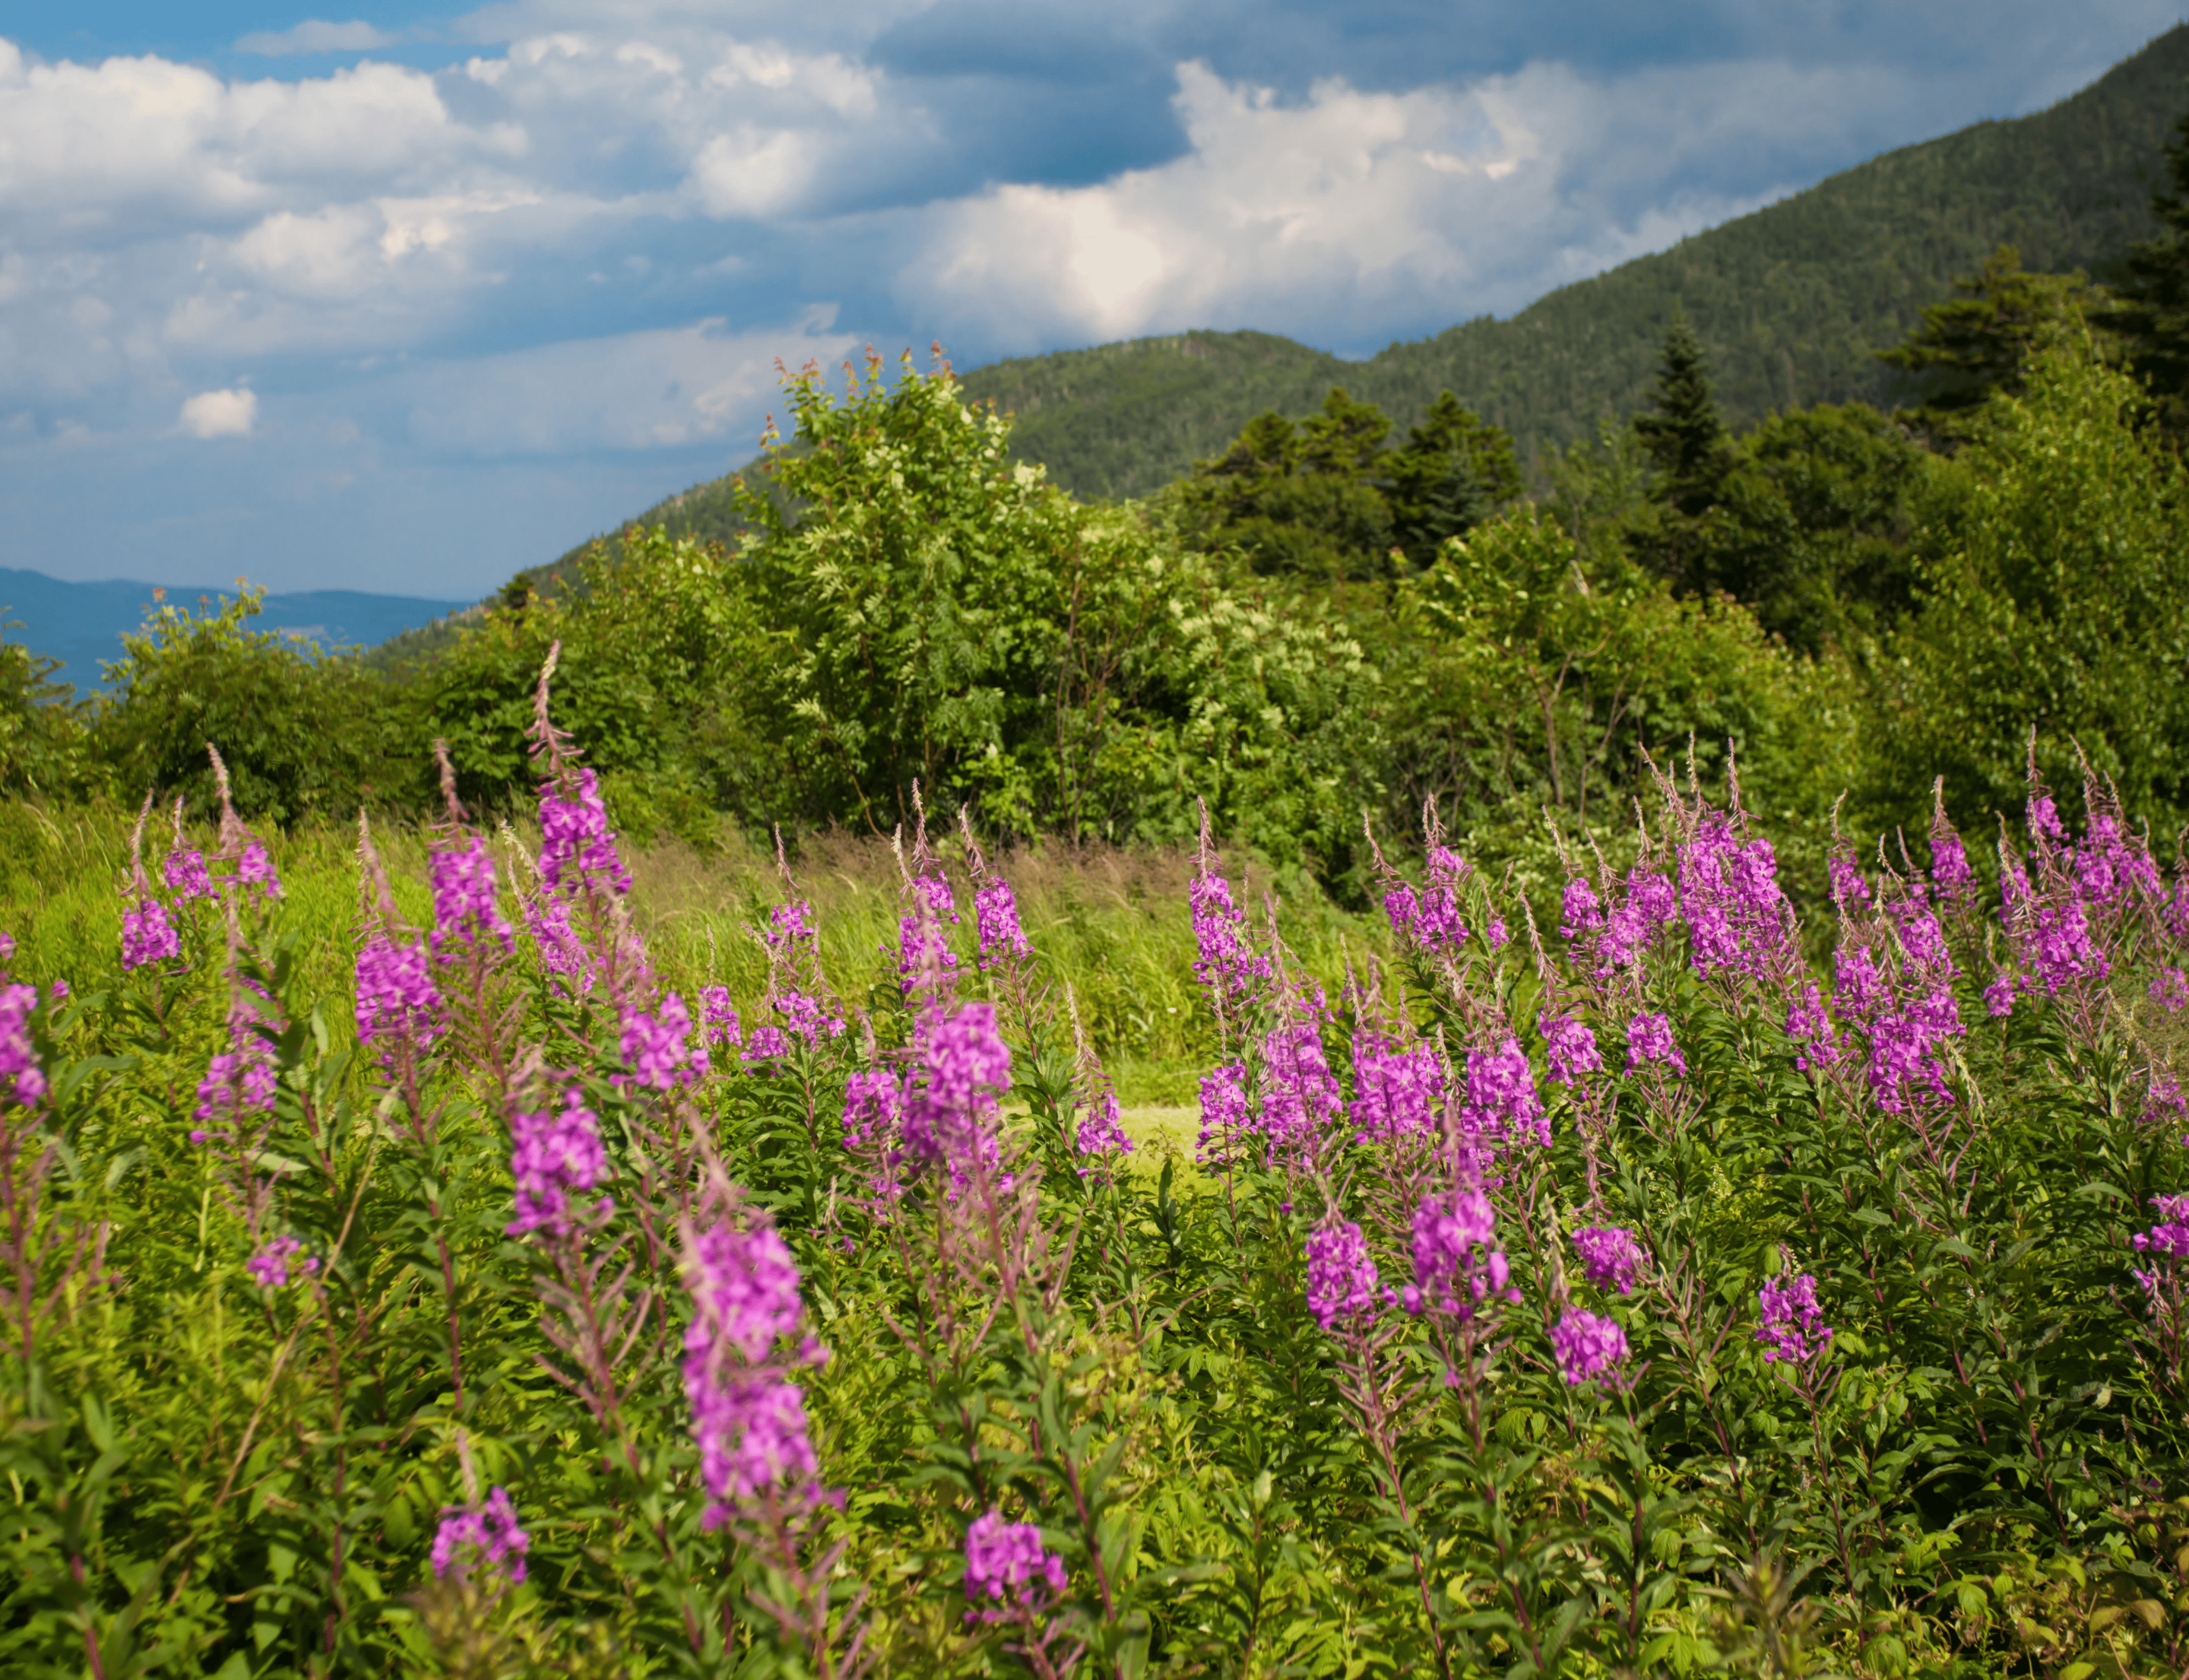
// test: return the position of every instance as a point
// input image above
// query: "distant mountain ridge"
(1792, 301)
(81, 623)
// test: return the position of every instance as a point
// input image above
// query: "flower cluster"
(465, 905)
(1398, 1092)
(655, 1047)
(747, 1418)
(1006, 1564)
(184, 871)
(1343, 1286)
(1611, 1257)
(1430, 920)
(964, 1067)
(1581, 914)
(718, 1018)
(1738, 921)
(21, 1075)
(1224, 1113)
(1632, 925)
(238, 1084)
(270, 1266)
(396, 997)
(1809, 1025)
(147, 935)
(1101, 1129)
(1590, 1348)
(1300, 1096)
(1227, 964)
(1650, 1040)
(254, 867)
(472, 1535)
(996, 923)
(1503, 1107)
(575, 843)
(1569, 1052)
(1455, 1265)
(1791, 1326)
(2170, 1236)
(552, 1154)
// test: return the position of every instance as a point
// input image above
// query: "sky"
(406, 300)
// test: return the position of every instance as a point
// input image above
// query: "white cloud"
(634, 391)
(221, 414)
(315, 36)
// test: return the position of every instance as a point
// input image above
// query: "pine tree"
(2152, 316)
(1452, 473)
(1979, 342)
(1685, 438)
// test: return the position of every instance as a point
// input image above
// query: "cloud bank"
(542, 278)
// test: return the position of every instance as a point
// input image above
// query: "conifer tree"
(2152, 316)
(1685, 438)
(1979, 342)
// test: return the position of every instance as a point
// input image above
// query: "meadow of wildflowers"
(1601, 1286)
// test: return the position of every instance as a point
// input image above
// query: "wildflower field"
(464, 1267)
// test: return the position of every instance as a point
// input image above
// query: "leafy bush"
(460, 1300)
(42, 748)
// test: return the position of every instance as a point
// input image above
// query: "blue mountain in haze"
(80, 624)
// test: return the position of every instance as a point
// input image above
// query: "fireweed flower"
(1809, 1025)
(1342, 1282)
(1569, 1048)
(184, 871)
(562, 953)
(1950, 875)
(964, 1067)
(873, 1108)
(1300, 1096)
(551, 1154)
(20, 1077)
(748, 1418)
(147, 935)
(2170, 1236)
(804, 1018)
(465, 906)
(575, 843)
(1649, 1038)
(2170, 991)
(1101, 1130)
(1580, 915)
(767, 1044)
(1227, 963)
(238, 1084)
(1436, 924)
(254, 867)
(1857, 987)
(270, 1266)
(1738, 919)
(1610, 1257)
(1224, 1114)
(1006, 1562)
(996, 923)
(1455, 1266)
(925, 959)
(1791, 1326)
(1502, 1105)
(396, 997)
(718, 1017)
(1999, 996)
(486, 1534)
(1590, 1348)
(655, 1047)
(1904, 1067)
(1848, 887)
(1396, 1092)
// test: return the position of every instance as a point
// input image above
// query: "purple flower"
(1581, 914)
(924, 963)
(1342, 1282)
(1848, 887)
(396, 997)
(1224, 1114)
(748, 1420)
(1569, 1048)
(551, 1154)
(488, 1534)
(1401, 904)
(1437, 925)
(270, 1266)
(719, 1017)
(1450, 1274)
(562, 953)
(654, 1050)
(574, 841)
(1610, 1257)
(2044, 819)
(1396, 1092)
(465, 906)
(1809, 1025)
(1792, 1325)
(1590, 1348)
(1300, 1097)
(2170, 1236)
(1502, 1105)
(996, 923)
(1999, 996)
(964, 1067)
(20, 1074)
(254, 867)
(187, 877)
(1649, 1038)
(805, 1019)
(2170, 991)
(147, 935)
(1738, 919)
(1101, 1130)
(1903, 1063)
(1227, 963)
(1949, 866)
(790, 924)
(1005, 1562)
(767, 1044)
(237, 1083)
(874, 1106)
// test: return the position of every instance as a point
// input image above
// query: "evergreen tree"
(1979, 342)
(1685, 438)
(2152, 316)
(1453, 471)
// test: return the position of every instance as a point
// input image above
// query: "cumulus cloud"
(315, 36)
(221, 414)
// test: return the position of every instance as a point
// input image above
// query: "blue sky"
(404, 299)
